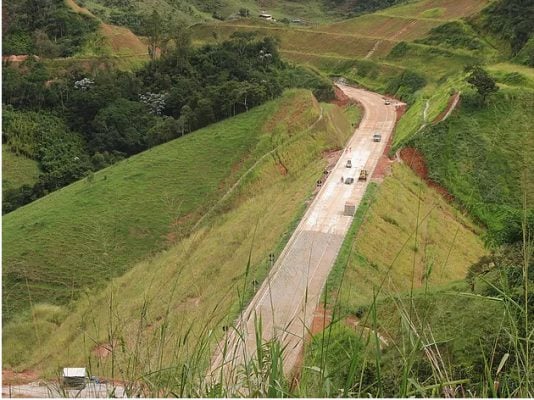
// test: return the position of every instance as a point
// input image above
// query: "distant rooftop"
(74, 372)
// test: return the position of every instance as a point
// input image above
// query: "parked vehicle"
(348, 164)
(387, 102)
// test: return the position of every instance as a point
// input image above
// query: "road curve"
(289, 295)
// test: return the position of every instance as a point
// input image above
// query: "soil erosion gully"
(287, 299)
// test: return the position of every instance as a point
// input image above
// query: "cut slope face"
(159, 196)
(409, 236)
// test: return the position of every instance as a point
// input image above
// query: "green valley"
(168, 165)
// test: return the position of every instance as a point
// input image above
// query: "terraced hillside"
(369, 36)
(234, 171)
(128, 13)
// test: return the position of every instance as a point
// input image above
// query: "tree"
(122, 126)
(480, 80)
(153, 29)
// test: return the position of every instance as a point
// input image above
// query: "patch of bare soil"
(17, 58)
(322, 318)
(414, 159)
(281, 168)
(383, 167)
(10, 377)
(341, 99)
(453, 102)
(400, 109)
(331, 157)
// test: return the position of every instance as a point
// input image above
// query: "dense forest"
(44, 27)
(83, 122)
(513, 20)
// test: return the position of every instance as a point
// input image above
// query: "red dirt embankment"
(18, 58)
(10, 377)
(414, 159)
(341, 99)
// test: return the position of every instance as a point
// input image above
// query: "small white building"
(265, 16)
(74, 378)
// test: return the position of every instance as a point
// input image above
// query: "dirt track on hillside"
(289, 295)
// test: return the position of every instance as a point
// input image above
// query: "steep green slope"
(409, 237)
(484, 155)
(158, 198)
(405, 237)
(72, 239)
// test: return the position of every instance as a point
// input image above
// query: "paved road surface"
(287, 299)
(53, 390)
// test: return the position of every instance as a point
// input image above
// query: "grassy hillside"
(398, 51)
(428, 339)
(405, 239)
(131, 13)
(485, 156)
(159, 196)
(17, 170)
(409, 237)
(371, 36)
(37, 238)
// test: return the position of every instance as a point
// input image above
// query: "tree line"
(79, 122)
(44, 27)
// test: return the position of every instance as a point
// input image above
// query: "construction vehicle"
(363, 175)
